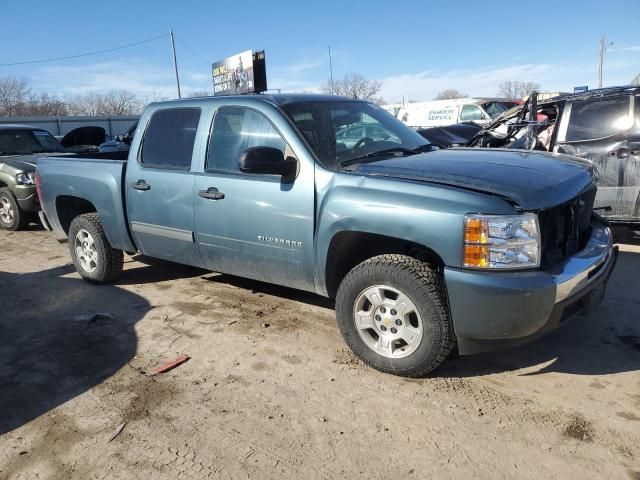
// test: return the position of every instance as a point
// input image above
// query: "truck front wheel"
(91, 253)
(392, 312)
(11, 215)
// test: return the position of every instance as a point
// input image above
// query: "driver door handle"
(211, 193)
(141, 185)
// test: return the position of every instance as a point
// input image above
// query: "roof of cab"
(276, 99)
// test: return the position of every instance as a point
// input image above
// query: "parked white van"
(446, 112)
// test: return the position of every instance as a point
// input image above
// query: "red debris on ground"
(165, 367)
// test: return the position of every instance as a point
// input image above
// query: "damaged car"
(601, 126)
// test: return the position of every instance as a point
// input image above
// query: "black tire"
(109, 260)
(424, 286)
(20, 219)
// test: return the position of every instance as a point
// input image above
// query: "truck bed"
(73, 184)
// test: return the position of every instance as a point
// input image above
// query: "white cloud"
(630, 48)
(484, 82)
(147, 79)
(134, 75)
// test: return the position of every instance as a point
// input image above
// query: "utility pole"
(175, 61)
(330, 70)
(603, 48)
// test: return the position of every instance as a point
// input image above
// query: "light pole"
(330, 70)
(175, 61)
(603, 48)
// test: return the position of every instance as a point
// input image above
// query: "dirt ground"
(271, 391)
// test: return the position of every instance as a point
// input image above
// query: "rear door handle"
(211, 193)
(141, 185)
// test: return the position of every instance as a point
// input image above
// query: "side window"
(470, 112)
(592, 119)
(168, 140)
(234, 130)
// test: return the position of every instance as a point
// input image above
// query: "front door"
(255, 226)
(159, 187)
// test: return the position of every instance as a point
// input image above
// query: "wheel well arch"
(69, 207)
(350, 248)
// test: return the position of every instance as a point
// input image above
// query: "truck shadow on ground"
(47, 354)
(604, 341)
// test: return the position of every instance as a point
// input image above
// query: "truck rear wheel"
(392, 312)
(11, 215)
(91, 253)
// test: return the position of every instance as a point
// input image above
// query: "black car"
(602, 126)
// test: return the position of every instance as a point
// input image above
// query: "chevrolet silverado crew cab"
(424, 250)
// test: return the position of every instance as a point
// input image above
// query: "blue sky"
(416, 48)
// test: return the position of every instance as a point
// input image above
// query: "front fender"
(428, 215)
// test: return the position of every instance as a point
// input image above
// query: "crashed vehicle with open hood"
(84, 139)
(601, 126)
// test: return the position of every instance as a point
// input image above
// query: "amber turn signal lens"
(475, 230)
(476, 256)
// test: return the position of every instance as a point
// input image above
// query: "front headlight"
(501, 241)
(26, 178)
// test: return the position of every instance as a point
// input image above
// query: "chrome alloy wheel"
(6, 212)
(86, 251)
(387, 321)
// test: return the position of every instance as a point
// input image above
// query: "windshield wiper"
(387, 151)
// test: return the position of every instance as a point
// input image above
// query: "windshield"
(26, 142)
(495, 108)
(340, 131)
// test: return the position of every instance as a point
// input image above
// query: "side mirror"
(267, 161)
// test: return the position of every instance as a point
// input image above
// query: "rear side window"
(234, 130)
(169, 138)
(598, 118)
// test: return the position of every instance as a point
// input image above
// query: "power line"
(84, 54)
(192, 50)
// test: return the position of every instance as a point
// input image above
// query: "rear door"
(159, 187)
(255, 226)
(606, 130)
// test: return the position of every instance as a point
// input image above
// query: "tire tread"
(112, 258)
(404, 267)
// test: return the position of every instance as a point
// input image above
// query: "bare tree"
(356, 86)
(13, 95)
(88, 104)
(516, 90)
(115, 102)
(45, 104)
(200, 93)
(119, 102)
(449, 94)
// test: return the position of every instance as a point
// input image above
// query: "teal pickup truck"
(424, 250)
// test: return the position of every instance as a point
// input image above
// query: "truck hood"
(531, 180)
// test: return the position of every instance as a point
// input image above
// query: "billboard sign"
(239, 74)
(580, 89)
